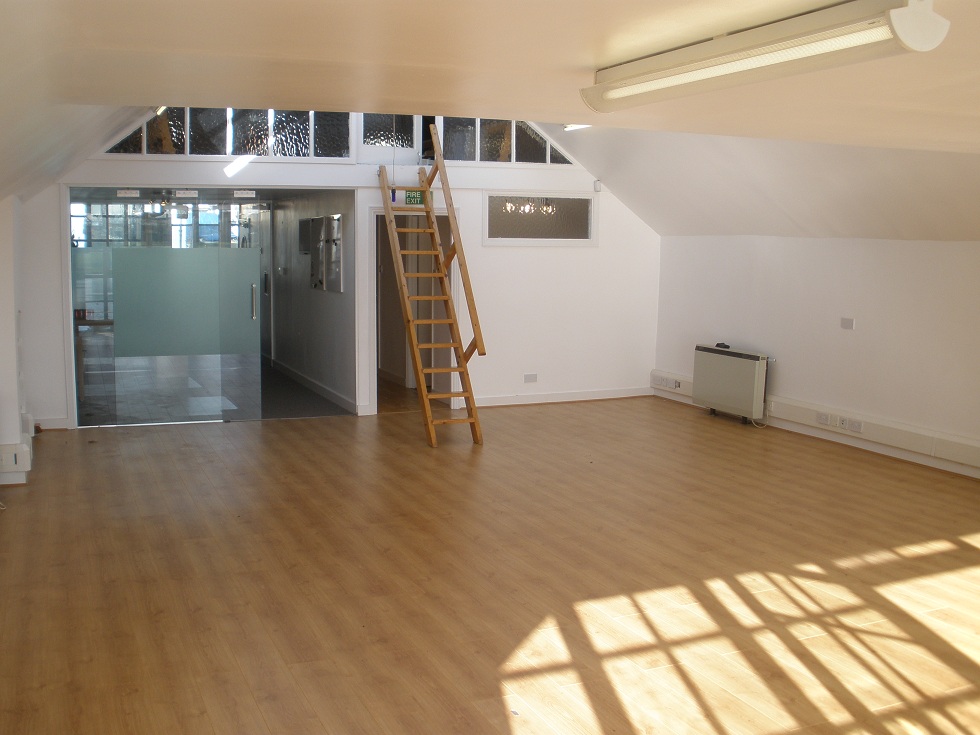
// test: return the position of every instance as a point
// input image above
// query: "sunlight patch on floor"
(803, 650)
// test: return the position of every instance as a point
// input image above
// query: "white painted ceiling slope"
(74, 73)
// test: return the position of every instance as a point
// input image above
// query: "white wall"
(912, 357)
(41, 248)
(583, 319)
(10, 404)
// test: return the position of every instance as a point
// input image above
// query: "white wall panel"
(913, 353)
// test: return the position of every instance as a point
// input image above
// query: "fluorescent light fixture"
(160, 110)
(575, 126)
(846, 33)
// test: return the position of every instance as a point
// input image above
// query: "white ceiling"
(73, 74)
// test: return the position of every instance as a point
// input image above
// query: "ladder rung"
(437, 345)
(454, 421)
(415, 187)
(419, 252)
(428, 298)
(432, 321)
(414, 229)
(430, 371)
(455, 394)
(433, 274)
(402, 208)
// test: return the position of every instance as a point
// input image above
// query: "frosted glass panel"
(291, 133)
(459, 138)
(165, 133)
(185, 302)
(331, 134)
(392, 131)
(495, 141)
(209, 131)
(250, 132)
(91, 275)
(558, 157)
(238, 300)
(530, 147)
(132, 143)
(166, 301)
(539, 218)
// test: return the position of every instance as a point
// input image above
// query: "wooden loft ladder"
(432, 288)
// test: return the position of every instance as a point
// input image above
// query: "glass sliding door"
(239, 333)
(165, 307)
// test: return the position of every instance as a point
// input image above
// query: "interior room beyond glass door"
(166, 310)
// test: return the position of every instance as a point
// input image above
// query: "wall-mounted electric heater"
(730, 380)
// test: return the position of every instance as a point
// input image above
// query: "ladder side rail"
(456, 341)
(457, 244)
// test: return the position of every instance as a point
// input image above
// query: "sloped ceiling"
(74, 73)
(686, 184)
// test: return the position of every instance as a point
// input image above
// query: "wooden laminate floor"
(628, 566)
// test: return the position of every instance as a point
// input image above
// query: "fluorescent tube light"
(849, 32)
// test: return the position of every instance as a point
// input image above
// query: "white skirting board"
(953, 453)
(567, 397)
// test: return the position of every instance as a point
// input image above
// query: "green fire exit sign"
(413, 197)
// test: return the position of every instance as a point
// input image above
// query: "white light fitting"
(845, 33)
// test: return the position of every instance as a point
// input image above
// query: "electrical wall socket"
(823, 418)
(530, 377)
(842, 422)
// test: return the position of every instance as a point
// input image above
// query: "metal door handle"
(255, 307)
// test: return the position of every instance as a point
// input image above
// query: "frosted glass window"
(98, 229)
(132, 143)
(331, 134)
(390, 131)
(558, 157)
(208, 227)
(134, 223)
(250, 132)
(459, 138)
(291, 133)
(209, 131)
(117, 228)
(539, 218)
(79, 225)
(165, 133)
(529, 145)
(495, 140)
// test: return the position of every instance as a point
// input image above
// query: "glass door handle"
(255, 308)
